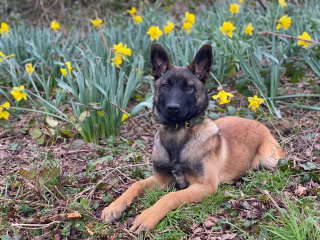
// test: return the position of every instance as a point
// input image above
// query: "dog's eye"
(188, 87)
(165, 85)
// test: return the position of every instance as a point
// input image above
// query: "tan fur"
(243, 145)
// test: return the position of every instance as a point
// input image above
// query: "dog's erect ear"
(160, 61)
(202, 63)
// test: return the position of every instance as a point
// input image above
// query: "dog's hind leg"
(115, 210)
(268, 155)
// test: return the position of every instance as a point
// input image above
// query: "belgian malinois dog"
(191, 150)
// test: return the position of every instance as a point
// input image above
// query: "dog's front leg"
(115, 210)
(150, 218)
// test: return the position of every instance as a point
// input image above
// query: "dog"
(191, 150)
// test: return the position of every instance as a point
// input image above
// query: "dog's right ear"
(160, 61)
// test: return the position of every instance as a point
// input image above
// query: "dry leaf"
(228, 236)
(199, 229)
(89, 231)
(73, 215)
(301, 190)
(208, 224)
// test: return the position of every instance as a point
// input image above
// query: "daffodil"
(64, 71)
(18, 94)
(255, 102)
(284, 22)
(190, 18)
(117, 60)
(3, 113)
(223, 97)
(282, 3)
(4, 28)
(241, 1)
(121, 52)
(249, 29)
(2, 56)
(55, 25)
(154, 33)
(234, 8)
(132, 11)
(167, 29)
(187, 27)
(124, 118)
(306, 37)
(137, 19)
(227, 29)
(95, 22)
(29, 68)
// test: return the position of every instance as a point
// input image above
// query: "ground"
(236, 211)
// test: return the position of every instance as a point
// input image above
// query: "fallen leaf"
(89, 231)
(208, 224)
(212, 219)
(73, 215)
(199, 229)
(228, 236)
(301, 190)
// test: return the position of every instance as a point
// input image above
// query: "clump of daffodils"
(136, 18)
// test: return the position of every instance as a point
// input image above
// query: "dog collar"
(192, 122)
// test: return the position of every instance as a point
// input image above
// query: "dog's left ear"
(202, 62)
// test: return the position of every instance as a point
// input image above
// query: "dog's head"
(179, 91)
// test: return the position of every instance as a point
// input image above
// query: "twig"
(104, 40)
(288, 36)
(131, 117)
(50, 192)
(33, 226)
(26, 202)
(38, 192)
(272, 200)
(263, 5)
(314, 140)
(127, 231)
(59, 193)
(97, 184)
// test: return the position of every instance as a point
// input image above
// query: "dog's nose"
(173, 108)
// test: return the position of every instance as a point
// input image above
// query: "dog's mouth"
(178, 119)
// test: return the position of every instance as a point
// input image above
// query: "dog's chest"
(169, 157)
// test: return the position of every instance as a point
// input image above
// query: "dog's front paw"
(114, 211)
(147, 220)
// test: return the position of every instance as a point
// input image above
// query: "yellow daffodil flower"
(190, 18)
(3, 113)
(282, 3)
(234, 8)
(241, 1)
(137, 19)
(55, 25)
(29, 68)
(306, 37)
(227, 29)
(255, 102)
(4, 28)
(223, 97)
(187, 27)
(284, 22)
(117, 60)
(64, 71)
(18, 94)
(167, 29)
(121, 52)
(95, 22)
(132, 11)
(249, 29)
(154, 33)
(2, 56)
(124, 118)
